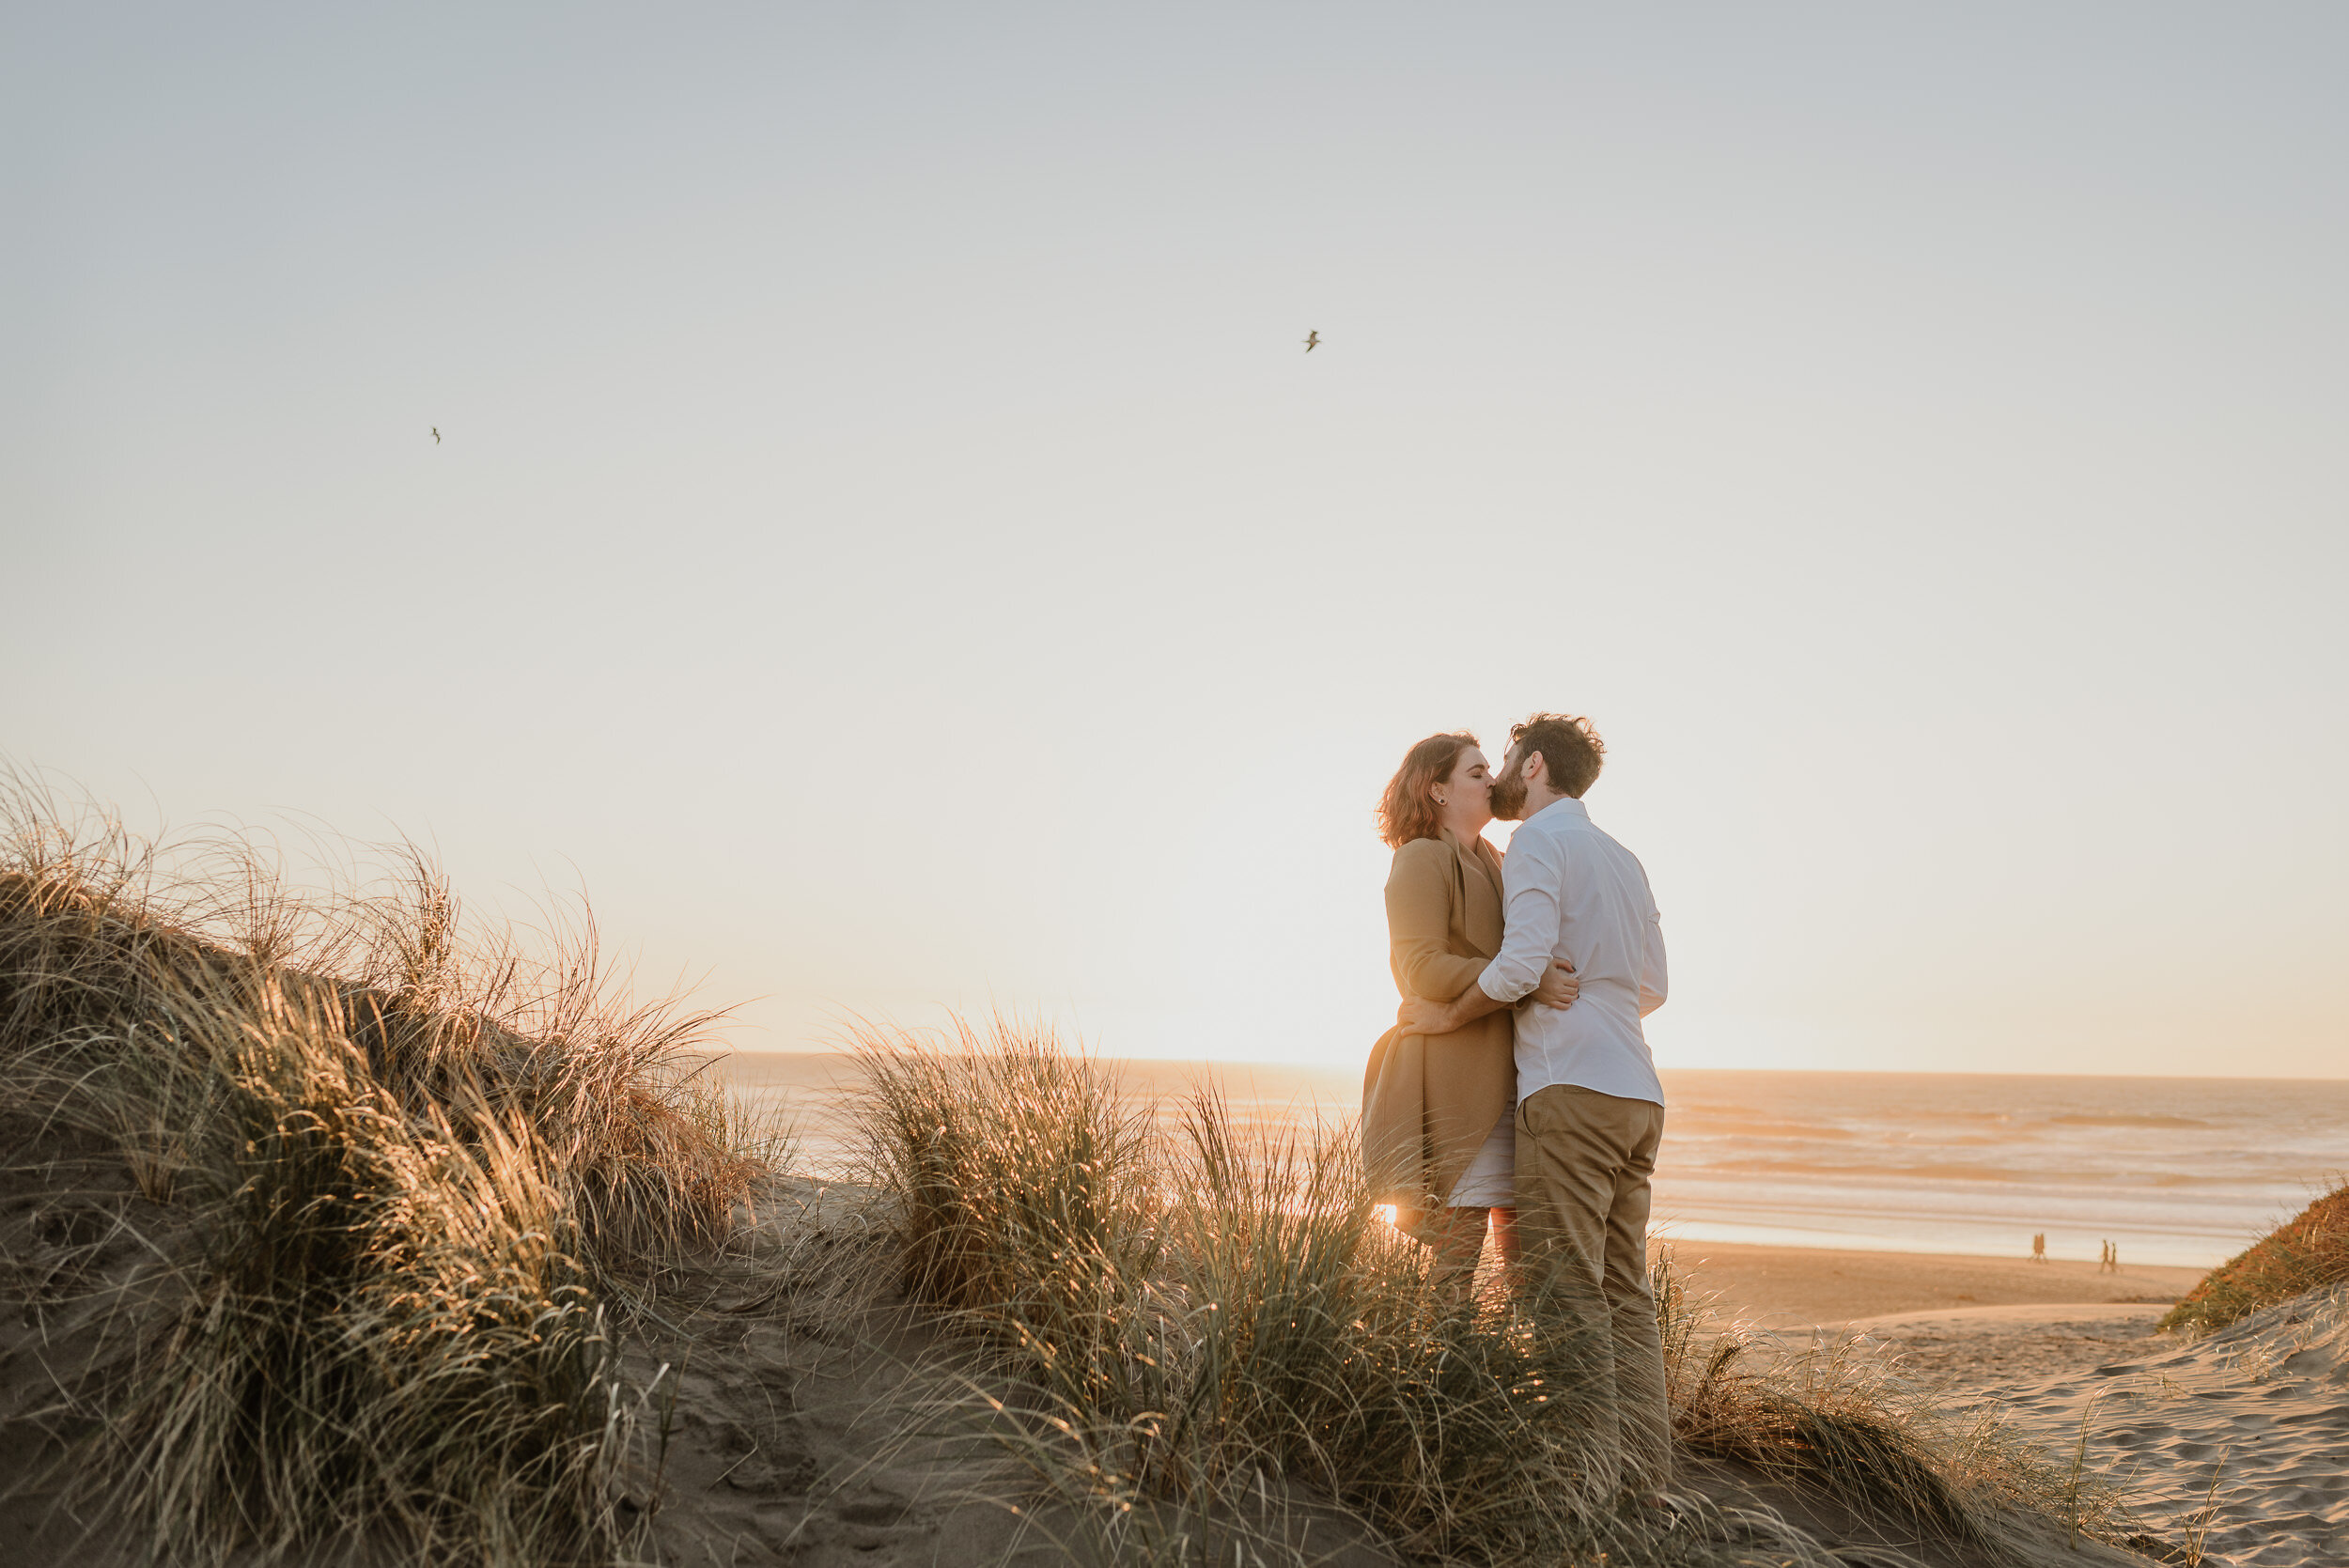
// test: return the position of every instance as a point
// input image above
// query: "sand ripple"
(2241, 1439)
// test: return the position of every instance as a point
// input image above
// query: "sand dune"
(2239, 1442)
(2236, 1444)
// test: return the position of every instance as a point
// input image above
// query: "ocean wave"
(2013, 1172)
(2081, 1121)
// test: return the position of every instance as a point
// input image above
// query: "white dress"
(1491, 1181)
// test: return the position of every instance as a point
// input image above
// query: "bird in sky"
(1311, 338)
(436, 435)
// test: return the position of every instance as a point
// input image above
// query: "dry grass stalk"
(424, 1177)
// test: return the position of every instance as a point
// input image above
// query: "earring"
(1441, 802)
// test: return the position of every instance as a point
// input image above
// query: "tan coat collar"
(1480, 853)
(1482, 917)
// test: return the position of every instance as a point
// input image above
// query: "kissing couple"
(1517, 1088)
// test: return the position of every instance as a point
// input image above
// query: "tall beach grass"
(418, 1183)
(1179, 1311)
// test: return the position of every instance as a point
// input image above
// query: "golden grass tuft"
(1176, 1316)
(2306, 1253)
(420, 1183)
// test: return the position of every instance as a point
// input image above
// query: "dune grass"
(1180, 1312)
(2306, 1253)
(408, 1192)
(418, 1183)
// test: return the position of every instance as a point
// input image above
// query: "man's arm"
(1655, 986)
(1529, 938)
(1655, 983)
(1560, 987)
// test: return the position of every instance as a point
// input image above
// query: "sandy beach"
(2234, 1446)
(1969, 1323)
(1786, 1286)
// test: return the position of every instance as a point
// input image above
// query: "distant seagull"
(1310, 339)
(436, 435)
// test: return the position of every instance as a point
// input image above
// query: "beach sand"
(1968, 1322)
(1787, 1286)
(2234, 1446)
(2237, 1442)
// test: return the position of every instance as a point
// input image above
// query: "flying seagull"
(436, 435)
(1311, 338)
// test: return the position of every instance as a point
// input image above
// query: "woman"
(1438, 1131)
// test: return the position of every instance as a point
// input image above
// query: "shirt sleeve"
(1655, 983)
(1533, 878)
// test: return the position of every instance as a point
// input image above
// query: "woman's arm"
(1419, 911)
(1527, 964)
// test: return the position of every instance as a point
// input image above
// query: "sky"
(888, 545)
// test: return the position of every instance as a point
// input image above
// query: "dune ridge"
(2309, 1251)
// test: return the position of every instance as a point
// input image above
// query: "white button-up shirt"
(1572, 893)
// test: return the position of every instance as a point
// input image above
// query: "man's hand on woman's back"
(1559, 987)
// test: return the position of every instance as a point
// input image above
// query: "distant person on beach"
(1437, 1133)
(1590, 1108)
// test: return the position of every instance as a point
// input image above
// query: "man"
(1590, 1107)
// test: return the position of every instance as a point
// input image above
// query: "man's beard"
(1508, 796)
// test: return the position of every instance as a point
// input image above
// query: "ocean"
(2183, 1172)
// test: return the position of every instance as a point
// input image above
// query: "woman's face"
(1464, 800)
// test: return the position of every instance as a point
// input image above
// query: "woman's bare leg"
(1505, 1239)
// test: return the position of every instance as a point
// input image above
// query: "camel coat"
(1428, 1101)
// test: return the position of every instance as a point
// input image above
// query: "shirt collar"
(1566, 806)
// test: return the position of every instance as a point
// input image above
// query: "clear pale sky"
(889, 544)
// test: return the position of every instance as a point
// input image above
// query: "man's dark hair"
(1571, 750)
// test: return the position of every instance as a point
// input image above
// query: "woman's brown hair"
(1407, 811)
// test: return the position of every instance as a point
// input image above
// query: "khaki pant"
(1583, 1163)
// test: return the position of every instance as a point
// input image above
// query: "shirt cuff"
(1494, 986)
